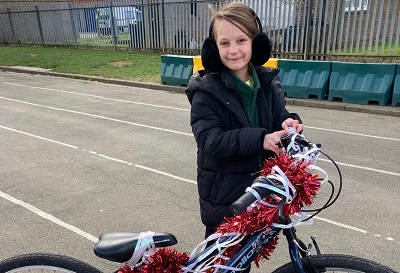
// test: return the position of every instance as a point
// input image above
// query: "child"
(238, 110)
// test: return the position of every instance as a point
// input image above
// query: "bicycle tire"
(43, 262)
(337, 263)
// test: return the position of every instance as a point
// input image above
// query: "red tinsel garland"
(165, 260)
(168, 260)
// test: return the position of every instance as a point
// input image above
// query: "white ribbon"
(145, 248)
(305, 155)
(297, 219)
(222, 242)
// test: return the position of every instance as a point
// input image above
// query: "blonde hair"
(240, 15)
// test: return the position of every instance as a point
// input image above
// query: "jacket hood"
(196, 83)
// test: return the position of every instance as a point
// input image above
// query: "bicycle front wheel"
(47, 263)
(335, 263)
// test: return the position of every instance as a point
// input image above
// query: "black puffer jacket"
(228, 147)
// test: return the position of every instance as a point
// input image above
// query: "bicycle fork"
(297, 250)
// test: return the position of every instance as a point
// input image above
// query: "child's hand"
(271, 141)
(293, 123)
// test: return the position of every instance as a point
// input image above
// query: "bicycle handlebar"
(249, 197)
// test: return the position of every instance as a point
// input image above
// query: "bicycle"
(134, 250)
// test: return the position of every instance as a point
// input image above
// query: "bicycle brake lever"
(281, 218)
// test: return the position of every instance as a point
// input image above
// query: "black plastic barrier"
(362, 83)
(303, 79)
(396, 88)
(176, 69)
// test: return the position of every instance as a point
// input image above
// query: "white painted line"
(339, 224)
(361, 167)
(350, 133)
(181, 109)
(98, 97)
(111, 158)
(48, 217)
(191, 135)
(166, 174)
(39, 137)
(101, 117)
(91, 237)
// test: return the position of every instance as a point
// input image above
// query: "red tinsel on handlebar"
(168, 260)
(306, 185)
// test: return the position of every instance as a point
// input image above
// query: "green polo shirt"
(248, 91)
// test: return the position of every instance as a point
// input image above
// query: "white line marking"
(48, 217)
(350, 133)
(181, 109)
(101, 117)
(361, 167)
(39, 137)
(191, 135)
(99, 97)
(339, 224)
(166, 174)
(94, 239)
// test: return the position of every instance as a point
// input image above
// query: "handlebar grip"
(247, 199)
(242, 203)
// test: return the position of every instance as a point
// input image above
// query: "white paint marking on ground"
(39, 137)
(91, 237)
(361, 167)
(166, 174)
(339, 224)
(181, 109)
(99, 97)
(157, 128)
(48, 217)
(101, 117)
(58, 221)
(350, 133)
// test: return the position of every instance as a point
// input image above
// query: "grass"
(392, 51)
(127, 65)
(122, 41)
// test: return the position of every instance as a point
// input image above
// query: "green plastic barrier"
(302, 79)
(361, 83)
(176, 69)
(396, 88)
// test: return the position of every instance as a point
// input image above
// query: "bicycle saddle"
(119, 246)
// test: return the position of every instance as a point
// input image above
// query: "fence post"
(71, 15)
(307, 26)
(163, 25)
(11, 25)
(39, 24)
(112, 23)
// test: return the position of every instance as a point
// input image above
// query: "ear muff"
(261, 49)
(210, 56)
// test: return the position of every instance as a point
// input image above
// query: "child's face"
(234, 48)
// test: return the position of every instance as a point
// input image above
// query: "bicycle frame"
(254, 245)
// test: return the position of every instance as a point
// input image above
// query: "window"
(129, 14)
(353, 5)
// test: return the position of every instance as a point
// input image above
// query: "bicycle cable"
(329, 202)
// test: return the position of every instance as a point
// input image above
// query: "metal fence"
(349, 30)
